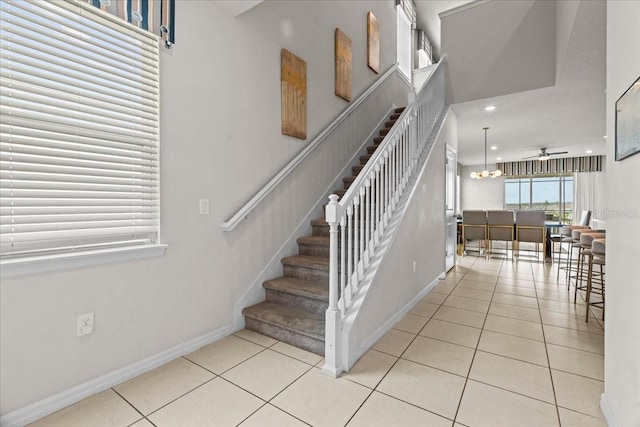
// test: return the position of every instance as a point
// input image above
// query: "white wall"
(220, 140)
(419, 238)
(621, 400)
(483, 194)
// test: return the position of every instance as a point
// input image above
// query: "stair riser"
(320, 230)
(304, 273)
(309, 304)
(314, 250)
(290, 337)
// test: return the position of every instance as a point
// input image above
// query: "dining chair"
(474, 227)
(530, 227)
(500, 228)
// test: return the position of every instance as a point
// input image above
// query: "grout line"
(546, 351)
(475, 351)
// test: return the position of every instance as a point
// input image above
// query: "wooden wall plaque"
(343, 65)
(373, 43)
(294, 95)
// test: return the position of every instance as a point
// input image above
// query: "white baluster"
(347, 294)
(343, 265)
(378, 204)
(356, 246)
(361, 230)
(369, 221)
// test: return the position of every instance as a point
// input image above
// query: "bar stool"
(575, 244)
(585, 252)
(565, 237)
(598, 249)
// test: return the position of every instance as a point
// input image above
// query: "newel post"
(333, 315)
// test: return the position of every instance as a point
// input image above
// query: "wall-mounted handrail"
(248, 207)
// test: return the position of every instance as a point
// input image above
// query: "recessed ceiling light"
(498, 158)
(490, 107)
(494, 147)
(589, 151)
(605, 137)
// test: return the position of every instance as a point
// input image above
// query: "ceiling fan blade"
(531, 157)
(557, 152)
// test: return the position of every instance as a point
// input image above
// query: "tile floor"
(495, 343)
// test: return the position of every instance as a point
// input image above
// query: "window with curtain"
(79, 136)
(552, 194)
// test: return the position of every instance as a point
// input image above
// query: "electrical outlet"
(85, 324)
(204, 206)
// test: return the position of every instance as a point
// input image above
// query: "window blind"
(79, 129)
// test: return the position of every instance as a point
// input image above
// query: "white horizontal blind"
(79, 129)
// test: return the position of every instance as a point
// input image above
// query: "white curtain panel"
(586, 195)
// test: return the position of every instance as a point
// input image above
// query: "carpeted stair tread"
(389, 124)
(313, 240)
(395, 116)
(399, 110)
(378, 139)
(305, 288)
(319, 221)
(292, 318)
(306, 261)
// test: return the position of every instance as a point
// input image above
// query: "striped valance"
(156, 16)
(552, 166)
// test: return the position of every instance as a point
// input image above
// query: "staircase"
(295, 306)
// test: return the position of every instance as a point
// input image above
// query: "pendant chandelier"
(485, 172)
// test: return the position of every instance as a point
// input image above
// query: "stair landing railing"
(358, 220)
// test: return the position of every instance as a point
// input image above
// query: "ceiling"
(540, 63)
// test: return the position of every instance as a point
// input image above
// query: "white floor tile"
(216, 403)
(319, 399)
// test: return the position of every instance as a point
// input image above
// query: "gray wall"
(622, 330)
(485, 193)
(221, 140)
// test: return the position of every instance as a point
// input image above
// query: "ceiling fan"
(543, 155)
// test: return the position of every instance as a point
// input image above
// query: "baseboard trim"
(607, 412)
(54, 403)
(386, 326)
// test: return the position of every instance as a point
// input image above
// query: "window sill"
(47, 263)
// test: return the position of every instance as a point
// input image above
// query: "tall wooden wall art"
(373, 43)
(343, 65)
(294, 95)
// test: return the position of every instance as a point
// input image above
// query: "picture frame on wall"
(343, 65)
(293, 84)
(628, 122)
(373, 42)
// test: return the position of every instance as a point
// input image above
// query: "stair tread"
(292, 318)
(300, 287)
(313, 240)
(307, 261)
(318, 221)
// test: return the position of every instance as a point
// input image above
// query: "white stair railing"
(357, 222)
